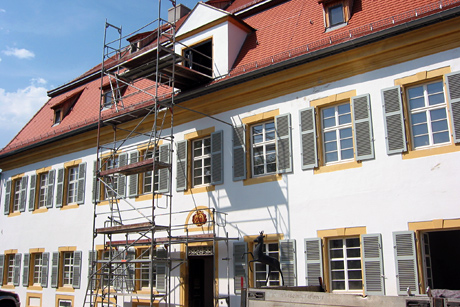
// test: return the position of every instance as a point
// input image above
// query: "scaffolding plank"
(136, 168)
(139, 227)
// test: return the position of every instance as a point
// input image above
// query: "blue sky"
(47, 43)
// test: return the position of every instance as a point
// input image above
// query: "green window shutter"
(164, 173)
(81, 183)
(55, 270)
(288, 262)
(129, 270)
(240, 262)
(374, 283)
(181, 165)
(133, 179)
(60, 187)
(33, 184)
(313, 261)
(92, 269)
(121, 184)
(2, 263)
(50, 191)
(394, 120)
(406, 262)
(283, 143)
(362, 126)
(25, 271)
(453, 94)
(217, 157)
(76, 281)
(162, 269)
(7, 202)
(308, 138)
(45, 269)
(96, 184)
(23, 194)
(17, 269)
(239, 153)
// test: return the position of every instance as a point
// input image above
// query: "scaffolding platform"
(136, 168)
(132, 228)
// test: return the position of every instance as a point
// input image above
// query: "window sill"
(71, 206)
(17, 213)
(208, 188)
(336, 27)
(148, 196)
(262, 179)
(41, 210)
(413, 154)
(65, 289)
(35, 288)
(337, 167)
(8, 287)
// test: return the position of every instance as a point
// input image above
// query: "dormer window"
(107, 97)
(112, 94)
(64, 107)
(337, 13)
(199, 57)
(57, 116)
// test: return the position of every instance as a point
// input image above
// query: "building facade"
(331, 126)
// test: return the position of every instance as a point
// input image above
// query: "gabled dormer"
(210, 40)
(62, 108)
(337, 13)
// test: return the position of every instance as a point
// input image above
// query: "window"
(107, 99)
(57, 117)
(114, 183)
(41, 190)
(201, 162)
(112, 186)
(263, 149)
(428, 115)
(267, 139)
(416, 113)
(199, 57)
(66, 268)
(15, 195)
(143, 270)
(150, 178)
(282, 250)
(10, 265)
(337, 133)
(345, 264)
(70, 184)
(350, 264)
(35, 269)
(336, 15)
(344, 124)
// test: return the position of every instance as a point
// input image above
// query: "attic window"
(199, 57)
(57, 116)
(64, 107)
(337, 13)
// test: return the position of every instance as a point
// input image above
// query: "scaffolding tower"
(138, 85)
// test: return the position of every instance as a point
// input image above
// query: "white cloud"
(19, 107)
(19, 53)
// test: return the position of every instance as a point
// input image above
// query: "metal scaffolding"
(138, 85)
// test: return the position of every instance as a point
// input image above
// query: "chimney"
(181, 11)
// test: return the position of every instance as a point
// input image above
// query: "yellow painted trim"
(72, 163)
(67, 249)
(337, 167)
(434, 224)
(199, 133)
(18, 176)
(8, 287)
(342, 232)
(321, 102)
(65, 289)
(13, 214)
(36, 250)
(35, 288)
(30, 295)
(64, 297)
(43, 170)
(145, 197)
(103, 203)
(208, 188)
(262, 179)
(423, 76)
(144, 302)
(144, 146)
(10, 251)
(71, 206)
(419, 153)
(41, 210)
(260, 117)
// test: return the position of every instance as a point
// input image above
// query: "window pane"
(337, 265)
(355, 285)
(336, 243)
(352, 242)
(435, 93)
(329, 122)
(355, 274)
(418, 118)
(421, 141)
(344, 109)
(346, 133)
(337, 253)
(439, 126)
(338, 285)
(347, 143)
(331, 157)
(436, 99)
(330, 136)
(420, 129)
(354, 264)
(347, 154)
(442, 137)
(438, 114)
(353, 252)
(336, 15)
(338, 274)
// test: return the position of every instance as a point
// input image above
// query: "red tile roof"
(283, 31)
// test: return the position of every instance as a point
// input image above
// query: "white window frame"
(149, 187)
(42, 190)
(427, 109)
(264, 144)
(345, 259)
(262, 269)
(68, 259)
(37, 269)
(72, 183)
(16, 195)
(201, 174)
(110, 163)
(144, 283)
(9, 263)
(336, 129)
